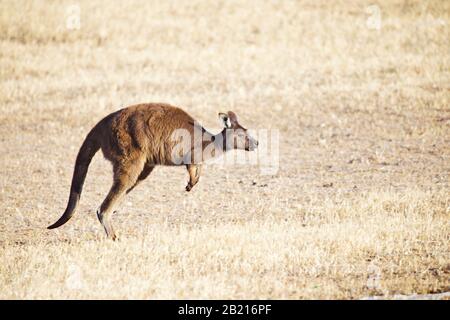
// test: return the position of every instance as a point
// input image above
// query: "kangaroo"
(138, 138)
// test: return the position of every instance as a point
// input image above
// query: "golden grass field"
(358, 91)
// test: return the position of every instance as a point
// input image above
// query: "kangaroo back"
(87, 151)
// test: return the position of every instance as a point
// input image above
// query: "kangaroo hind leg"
(125, 177)
(142, 176)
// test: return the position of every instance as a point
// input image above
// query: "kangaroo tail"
(87, 151)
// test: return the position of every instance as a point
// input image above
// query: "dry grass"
(360, 205)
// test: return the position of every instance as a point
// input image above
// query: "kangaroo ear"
(225, 120)
(233, 117)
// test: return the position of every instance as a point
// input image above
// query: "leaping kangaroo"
(138, 138)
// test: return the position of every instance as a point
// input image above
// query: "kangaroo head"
(236, 135)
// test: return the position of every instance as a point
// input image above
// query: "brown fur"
(140, 137)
